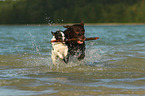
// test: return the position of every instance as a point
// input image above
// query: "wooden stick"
(75, 39)
(92, 38)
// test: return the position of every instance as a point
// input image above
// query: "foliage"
(70, 11)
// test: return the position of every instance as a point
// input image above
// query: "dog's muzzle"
(81, 40)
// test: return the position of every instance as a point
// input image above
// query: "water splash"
(93, 58)
(35, 46)
(51, 21)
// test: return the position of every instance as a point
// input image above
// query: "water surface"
(114, 64)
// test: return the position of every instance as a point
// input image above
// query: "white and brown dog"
(59, 49)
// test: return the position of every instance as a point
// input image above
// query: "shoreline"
(102, 24)
(61, 24)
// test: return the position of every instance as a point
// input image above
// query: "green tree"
(70, 11)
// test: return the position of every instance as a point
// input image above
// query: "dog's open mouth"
(63, 42)
(80, 42)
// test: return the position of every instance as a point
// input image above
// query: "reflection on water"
(114, 64)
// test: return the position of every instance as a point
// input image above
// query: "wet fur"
(60, 50)
(74, 48)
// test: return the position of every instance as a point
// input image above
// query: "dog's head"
(76, 31)
(59, 35)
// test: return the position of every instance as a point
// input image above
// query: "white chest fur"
(59, 50)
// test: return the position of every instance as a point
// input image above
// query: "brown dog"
(75, 47)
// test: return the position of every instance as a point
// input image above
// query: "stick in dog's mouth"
(74, 39)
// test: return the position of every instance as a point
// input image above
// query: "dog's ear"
(67, 26)
(52, 33)
(82, 23)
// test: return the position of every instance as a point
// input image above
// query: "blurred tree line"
(70, 11)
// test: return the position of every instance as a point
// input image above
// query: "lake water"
(114, 64)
